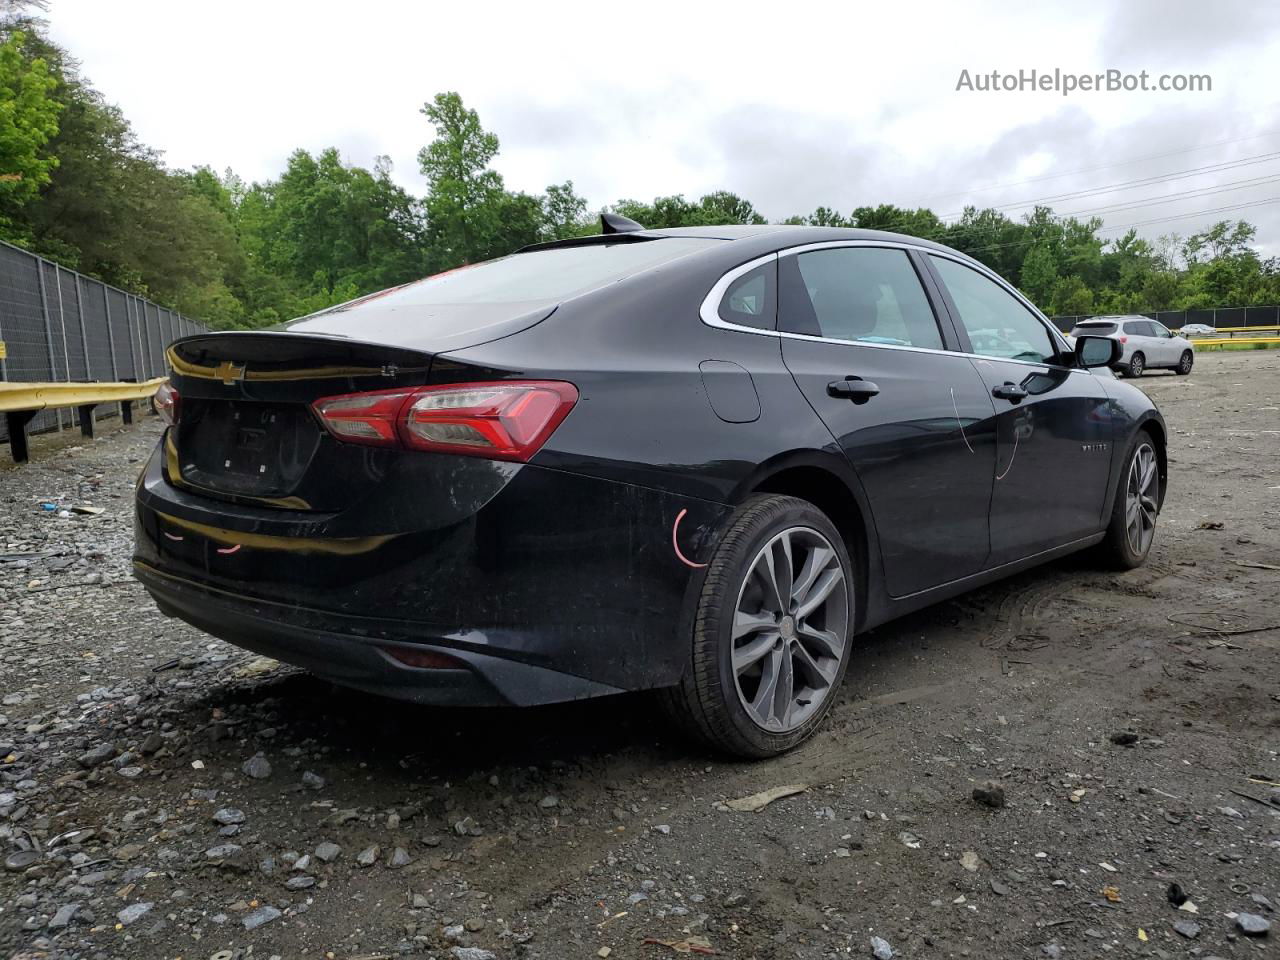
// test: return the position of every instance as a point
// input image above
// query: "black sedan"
(701, 460)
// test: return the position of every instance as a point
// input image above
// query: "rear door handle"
(853, 388)
(1009, 391)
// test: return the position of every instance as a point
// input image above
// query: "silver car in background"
(1146, 344)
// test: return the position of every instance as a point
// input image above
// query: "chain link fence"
(58, 325)
(1219, 318)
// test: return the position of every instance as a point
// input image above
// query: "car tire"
(712, 699)
(1185, 363)
(1137, 363)
(1120, 549)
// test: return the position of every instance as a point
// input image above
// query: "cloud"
(1183, 37)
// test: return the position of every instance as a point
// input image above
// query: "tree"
(1071, 297)
(916, 223)
(28, 121)
(725, 207)
(1039, 275)
(822, 217)
(564, 213)
(464, 196)
(1221, 240)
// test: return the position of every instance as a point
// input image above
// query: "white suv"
(1146, 344)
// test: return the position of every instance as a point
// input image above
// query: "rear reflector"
(502, 420)
(167, 403)
(425, 659)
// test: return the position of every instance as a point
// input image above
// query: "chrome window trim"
(709, 311)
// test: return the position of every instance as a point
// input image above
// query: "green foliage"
(28, 121)
(713, 209)
(1039, 273)
(77, 186)
(564, 213)
(465, 199)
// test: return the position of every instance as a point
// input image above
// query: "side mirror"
(1097, 351)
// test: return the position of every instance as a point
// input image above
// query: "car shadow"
(407, 740)
(400, 741)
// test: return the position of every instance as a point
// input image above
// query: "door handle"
(1009, 391)
(853, 388)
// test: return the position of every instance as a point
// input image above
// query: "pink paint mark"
(225, 551)
(173, 536)
(675, 543)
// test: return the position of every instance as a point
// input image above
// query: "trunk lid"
(246, 431)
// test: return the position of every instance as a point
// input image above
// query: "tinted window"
(1158, 329)
(868, 294)
(1093, 329)
(750, 299)
(997, 323)
(540, 275)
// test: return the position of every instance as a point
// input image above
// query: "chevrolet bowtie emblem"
(228, 372)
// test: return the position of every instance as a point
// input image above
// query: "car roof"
(763, 237)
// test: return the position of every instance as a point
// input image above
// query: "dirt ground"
(127, 746)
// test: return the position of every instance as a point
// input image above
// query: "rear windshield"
(1095, 329)
(540, 275)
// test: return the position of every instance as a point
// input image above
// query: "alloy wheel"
(1186, 362)
(790, 629)
(1140, 499)
(1136, 365)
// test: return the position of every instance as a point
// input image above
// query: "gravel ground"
(163, 794)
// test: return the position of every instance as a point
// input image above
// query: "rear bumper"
(353, 651)
(555, 586)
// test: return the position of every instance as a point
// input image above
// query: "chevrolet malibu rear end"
(417, 493)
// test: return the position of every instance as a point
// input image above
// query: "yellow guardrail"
(1225, 341)
(1244, 329)
(19, 402)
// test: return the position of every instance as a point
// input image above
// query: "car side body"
(456, 579)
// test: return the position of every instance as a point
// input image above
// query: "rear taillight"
(503, 420)
(364, 417)
(1124, 339)
(167, 403)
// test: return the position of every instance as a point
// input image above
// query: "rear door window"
(1138, 328)
(859, 294)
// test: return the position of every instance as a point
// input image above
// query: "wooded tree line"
(78, 187)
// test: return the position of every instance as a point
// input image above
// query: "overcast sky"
(792, 105)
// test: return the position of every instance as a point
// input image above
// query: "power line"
(1172, 197)
(1104, 166)
(1194, 213)
(1141, 181)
